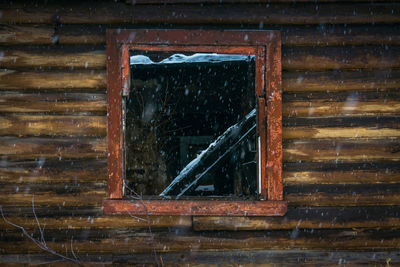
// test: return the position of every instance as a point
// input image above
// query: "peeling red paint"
(266, 46)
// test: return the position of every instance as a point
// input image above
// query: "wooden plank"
(298, 58)
(26, 34)
(306, 218)
(330, 81)
(28, 125)
(291, 36)
(352, 106)
(66, 172)
(354, 176)
(114, 13)
(54, 58)
(240, 241)
(52, 103)
(92, 198)
(300, 218)
(199, 207)
(325, 58)
(342, 150)
(223, 258)
(326, 35)
(342, 195)
(337, 132)
(52, 125)
(292, 81)
(296, 196)
(83, 80)
(99, 222)
(321, 199)
(31, 148)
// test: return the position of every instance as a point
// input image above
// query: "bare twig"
(40, 243)
(140, 198)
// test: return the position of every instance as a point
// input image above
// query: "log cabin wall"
(341, 107)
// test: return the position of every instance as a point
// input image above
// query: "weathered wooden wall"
(341, 82)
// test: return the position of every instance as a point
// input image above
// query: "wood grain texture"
(353, 176)
(90, 199)
(332, 81)
(54, 58)
(244, 258)
(53, 103)
(244, 241)
(26, 34)
(66, 171)
(311, 218)
(47, 148)
(11, 79)
(325, 35)
(101, 222)
(28, 125)
(325, 58)
(337, 132)
(292, 81)
(294, 58)
(114, 13)
(341, 137)
(199, 207)
(343, 150)
(352, 106)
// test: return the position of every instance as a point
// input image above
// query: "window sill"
(195, 208)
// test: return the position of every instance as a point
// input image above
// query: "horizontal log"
(330, 81)
(98, 222)
(199, 207)
(129, 243)
(325, 58)
(91, 199)
(95, 104)
(392, 122)
(342, 200)
(292, 178)
(306, 218)
(224, 258)
(114, 13)
(296, 195)
(321, 196)
(51, 103)
(353, 106)
(300, 58)
(32, 34)
(53, 170)
(336, 132)
(46, 148)
(28, 125)
(11, 79)
(52, 125)
(42, 176)
(300, 218)
(50, 58)
(291, 36)
(341, 150)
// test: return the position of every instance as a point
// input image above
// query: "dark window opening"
(190, 125)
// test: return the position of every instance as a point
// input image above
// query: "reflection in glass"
(190, 126)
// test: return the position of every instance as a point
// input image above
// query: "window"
(194, 122)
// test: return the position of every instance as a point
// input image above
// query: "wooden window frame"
(266, 46)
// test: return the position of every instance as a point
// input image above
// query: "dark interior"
(174, 111)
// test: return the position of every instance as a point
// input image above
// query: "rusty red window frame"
(266, 46)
